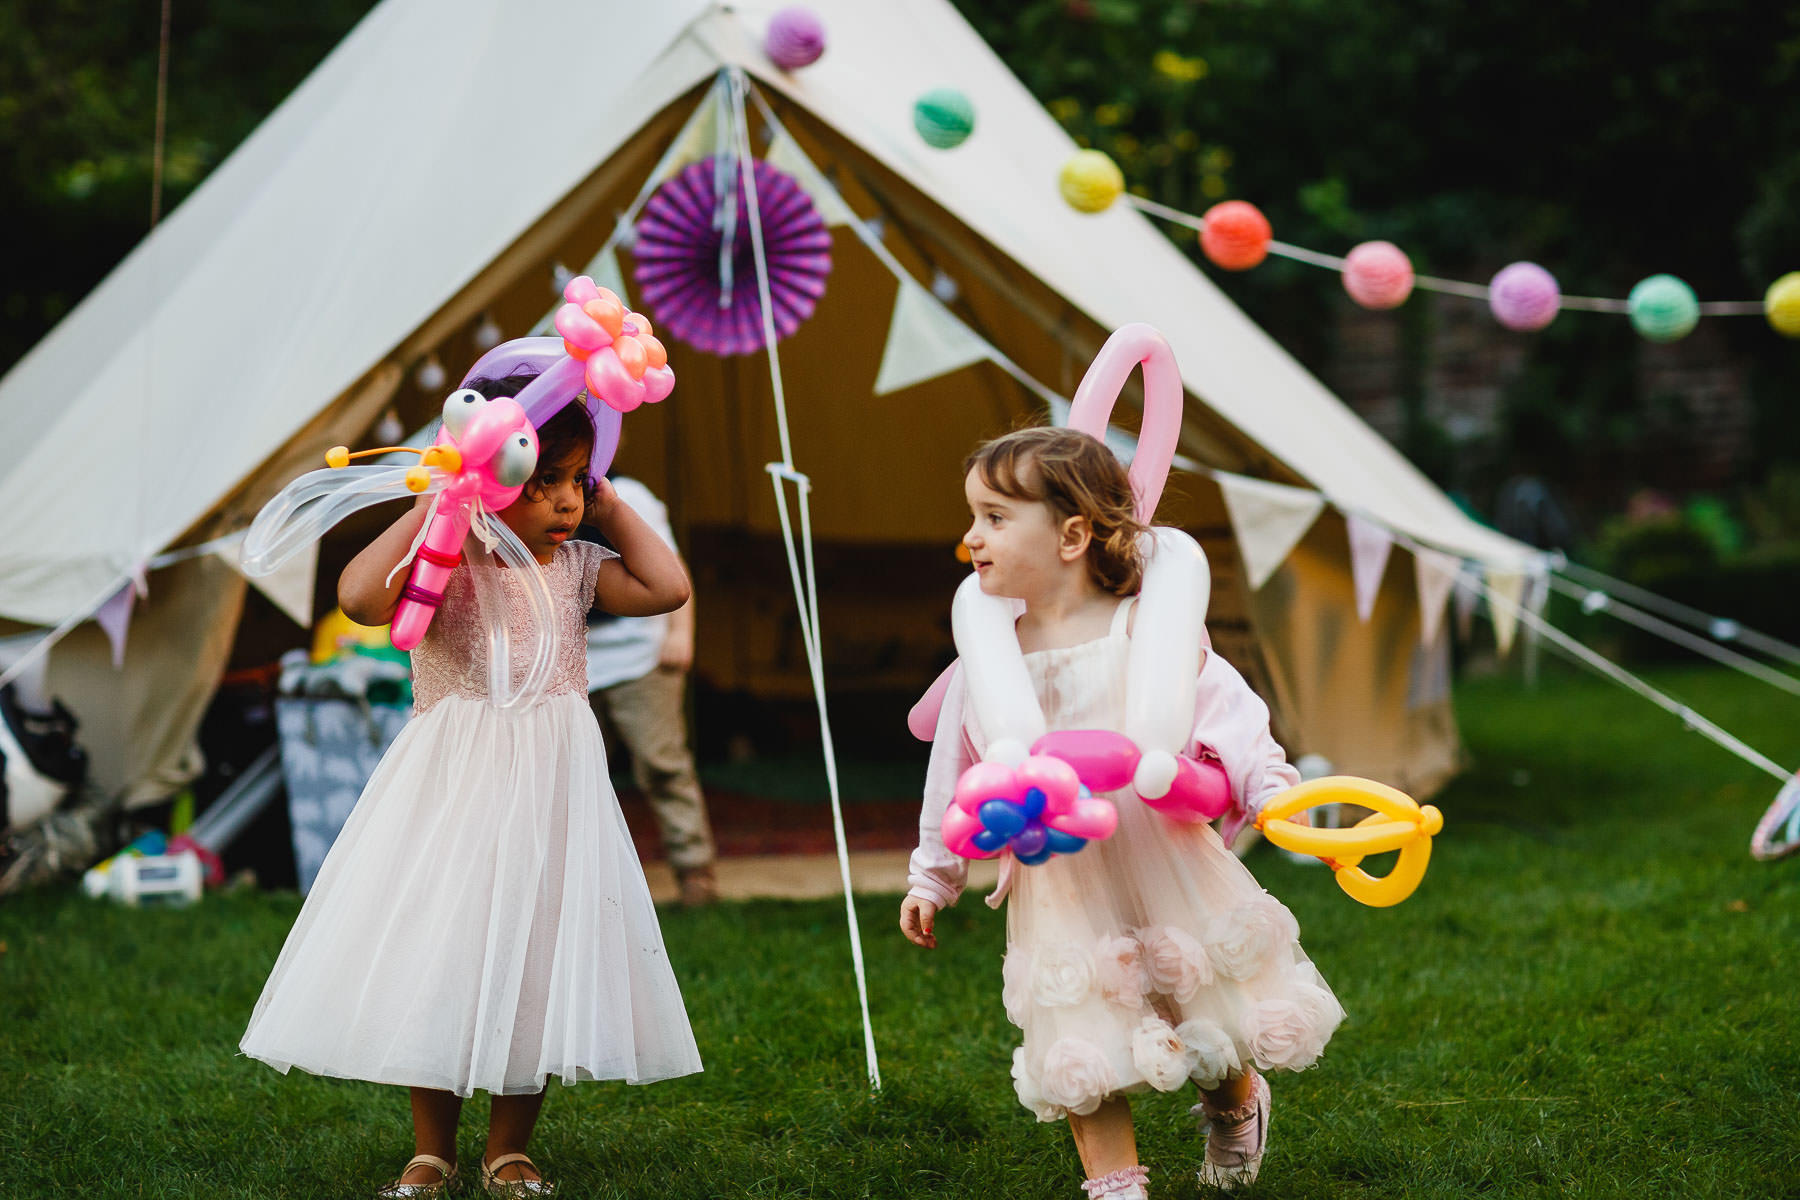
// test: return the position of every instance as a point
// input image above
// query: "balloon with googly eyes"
(485, 451)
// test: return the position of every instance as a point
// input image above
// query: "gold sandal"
(420, 1191)
(513, 1189)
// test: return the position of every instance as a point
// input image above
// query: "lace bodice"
(452, 658)
(1082, 687)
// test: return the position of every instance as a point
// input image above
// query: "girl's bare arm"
(647, 578)
(364, 592)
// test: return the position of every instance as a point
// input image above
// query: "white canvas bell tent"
(434, 167)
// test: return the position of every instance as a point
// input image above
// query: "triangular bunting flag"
(1504, 590)
(1269, 520)
(1369, 547)
(1434, 574)
(924, 340)
(605, 272)
(1537, 595)
(784, 152)
(114, 616)
(290, 587)
(697, 139)
(1468, 595)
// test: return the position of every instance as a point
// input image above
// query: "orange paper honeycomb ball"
(1236, 236)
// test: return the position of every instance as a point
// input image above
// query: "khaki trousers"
(649, 717)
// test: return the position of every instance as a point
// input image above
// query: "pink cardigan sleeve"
(1233, 721)
(935, 874)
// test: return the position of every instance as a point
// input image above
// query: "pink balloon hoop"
(1128, 347)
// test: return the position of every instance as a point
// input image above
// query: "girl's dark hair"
(1077, 476)
(559, 437)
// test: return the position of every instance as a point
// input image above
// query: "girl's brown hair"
(1077, 476)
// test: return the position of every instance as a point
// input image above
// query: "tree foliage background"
(1606, 142)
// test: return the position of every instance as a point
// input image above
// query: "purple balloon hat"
(559, 380)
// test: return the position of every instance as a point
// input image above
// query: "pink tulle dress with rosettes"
(482, 921)
(1151, 958)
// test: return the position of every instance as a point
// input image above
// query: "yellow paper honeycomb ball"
(1091, 181)
(1781, 304)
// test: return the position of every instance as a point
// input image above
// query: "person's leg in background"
(650, 717)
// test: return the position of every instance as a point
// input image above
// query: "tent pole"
(806, 594)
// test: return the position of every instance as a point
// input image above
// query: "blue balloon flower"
(989, 841)
(1003, 817)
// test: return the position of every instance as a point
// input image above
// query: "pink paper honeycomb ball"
(1378, 275)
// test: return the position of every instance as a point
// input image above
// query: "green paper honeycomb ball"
(1663, 308)
(944, 118)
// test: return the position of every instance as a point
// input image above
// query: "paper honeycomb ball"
(1781, 304)
(944, 117)
(1236, 235)
(1378, 275)
(1663, 308)
(1524, 297)
(1090, 181)
(795, 39)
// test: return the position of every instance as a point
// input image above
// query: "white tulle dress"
(482, 921)
(1153, 957)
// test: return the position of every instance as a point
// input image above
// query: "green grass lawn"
(1593, 994)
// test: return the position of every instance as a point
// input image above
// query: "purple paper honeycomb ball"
(795, 39)
(1524, 297)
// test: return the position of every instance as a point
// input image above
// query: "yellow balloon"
(1397, 823)
(334, 631)
(444, 457)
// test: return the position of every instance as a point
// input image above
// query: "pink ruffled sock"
(1126, 1183)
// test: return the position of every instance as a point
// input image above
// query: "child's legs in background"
(1105, 1138)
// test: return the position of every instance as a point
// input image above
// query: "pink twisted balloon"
(626, 364)
(486, 451)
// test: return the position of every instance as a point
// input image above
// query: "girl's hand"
(916, 917)
(604, 503)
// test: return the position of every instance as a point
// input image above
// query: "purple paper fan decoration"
(677, 253)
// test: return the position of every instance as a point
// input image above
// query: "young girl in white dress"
(1150, 958)
(482, 921)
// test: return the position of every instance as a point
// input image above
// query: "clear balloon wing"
(516, 611)
(305, 509)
